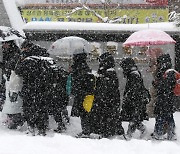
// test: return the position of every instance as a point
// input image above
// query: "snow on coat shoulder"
(13, 85)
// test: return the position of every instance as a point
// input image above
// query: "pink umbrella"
(148, 37)
(154, 53)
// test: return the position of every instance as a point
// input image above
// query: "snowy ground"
(18, 142)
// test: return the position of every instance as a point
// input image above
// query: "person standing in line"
(36, 73)
(82, 85)
(11, 53)
(135, 98)
(58, 98)
(12, 104)
(105, 114)
(28, 48)
(164, 104)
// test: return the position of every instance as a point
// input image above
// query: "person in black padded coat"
(105, 114)
(83, 84)
(164, 103)
(135, 98)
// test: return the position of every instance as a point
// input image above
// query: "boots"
(31, 130)
(61, 128)
(142, 128)
(42, 132)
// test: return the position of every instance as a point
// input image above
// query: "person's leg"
(159, 127)
(142, 128)
(12, 124)
(41, 122)
(65, 116)
(171, 135)
(131, 129)
(59, 120)
(85, 125)
(29, 116)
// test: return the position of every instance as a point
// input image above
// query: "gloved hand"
(13, 97)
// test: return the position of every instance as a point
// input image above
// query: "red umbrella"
(149, 37)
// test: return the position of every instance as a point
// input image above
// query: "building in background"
(174, 5)
(116, 11)
(3, 14)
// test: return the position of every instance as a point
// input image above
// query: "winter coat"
(57, 96)
(105, 114)
(82, 84)
(33, 50)
(36, 77)
(135, 97)
(10, 58)
(13, 86)
(165, 98)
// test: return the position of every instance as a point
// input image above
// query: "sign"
(122, 2)
(128, 16)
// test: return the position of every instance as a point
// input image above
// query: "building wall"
(4, 20)
(174, 5)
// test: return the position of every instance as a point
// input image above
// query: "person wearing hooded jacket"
(135, 98)
(11, 53)
(29, 70)
(164, 103)
(83, 84)
(28, 48)
(13, 104)
(105, 114)
(58, 98)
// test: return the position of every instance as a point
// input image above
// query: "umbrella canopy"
(68, 46)
(154, 53)
(8, 34)
(148, 37)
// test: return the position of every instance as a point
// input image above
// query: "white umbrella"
(68, 46)
(8, 34)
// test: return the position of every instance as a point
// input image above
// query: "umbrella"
(154, 53)
(68, 46)
(148, 37)
(8, 34)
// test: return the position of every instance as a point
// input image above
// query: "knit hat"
(164, 61)
(106, 60)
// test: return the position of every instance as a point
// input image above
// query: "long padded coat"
(105, 114)
(165, 99)
(135, 98)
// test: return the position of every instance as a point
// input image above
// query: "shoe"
(82, 135)
(172, 137)
(157, 137)
(41, 133)
(127, 137)
(95, 136)
(12, 126)
(31, 131)
(60, 129)
(143, 133)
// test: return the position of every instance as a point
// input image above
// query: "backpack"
(176, 89)
(40, 68)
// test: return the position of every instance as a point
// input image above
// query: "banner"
(128, 16)
(122, 2)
